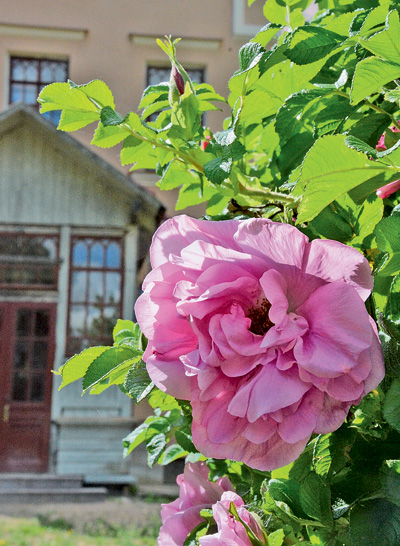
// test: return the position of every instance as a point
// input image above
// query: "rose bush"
(195, 493)
(263, 331)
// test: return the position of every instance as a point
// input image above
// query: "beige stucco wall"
(114, 40)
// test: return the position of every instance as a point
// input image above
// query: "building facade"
(74, 226)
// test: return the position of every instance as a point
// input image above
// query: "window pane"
(50, 248)
(17, 92)
(113, 290)
(46, 276)
(39, 354)
(21, 355)
(30, 93)
(37, 388)
(24, 322)
(97, 255)
(79, 282)
(113, 256)
(77, 320)
(79, 256)
(110, 315)
(42, 323)
(94, 325)
(96, 288)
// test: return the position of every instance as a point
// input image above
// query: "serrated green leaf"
(136, 437)
(249, 55)
(155, 447)
(72, 120)
(218, 169)
(171, 454)
(137, 382)
(184, 439)
(225, 138)
(275, 12)
(388, 240)
(315, 499)
(106, 137)
(60, 96)
(154, 93)
(370, 75)
(266, 34)
(309, 44)
(107, 361)
(331, 169)
(391, 406)
(390, 481)
(375, 522)
(276, 538)
(76, 367)
(386, 44)
(109, 117)
(96, 90)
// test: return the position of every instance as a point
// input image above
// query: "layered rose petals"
(196, 492)
(263, 331)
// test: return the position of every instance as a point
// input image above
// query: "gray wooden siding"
(41, 185)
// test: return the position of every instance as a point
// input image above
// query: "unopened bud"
(178, 79)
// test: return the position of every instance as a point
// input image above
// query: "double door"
(26, 360)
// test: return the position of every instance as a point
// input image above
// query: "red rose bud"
(178, 79)
(205, 143)
(388, 189)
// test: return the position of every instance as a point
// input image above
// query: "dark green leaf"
(309, 44)
(375, 522)
(391, 406)
(218, 169)
(184, 439)
(249, 55)
(106, 362)
(109, 117)
(137, 382)
(315, 499)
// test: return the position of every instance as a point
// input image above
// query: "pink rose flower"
(196, 492)
(263, 331)
(230, 530)
(392, 187)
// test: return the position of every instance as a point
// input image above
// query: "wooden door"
(26, 360)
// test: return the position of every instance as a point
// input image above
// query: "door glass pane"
(37, 388)
(24, 322)
(20, 386)
(21, 354)
(39, 354)
(42, 323)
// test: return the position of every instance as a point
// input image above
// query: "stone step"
(17, 482)
(39, 496)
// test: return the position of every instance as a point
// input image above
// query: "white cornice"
(48, 33)
(239, 25)
(209, 44)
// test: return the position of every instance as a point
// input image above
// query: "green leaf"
(388, 240)
(390, 481)
(96, 90)
(184, 439)
(218, 169)
(177, 174)
(126, 329)
(331, 169)
(249, 55)
(275, 12)
(265, 35)
(386, 43)
(276, 538)
(171, 454)
(137, 382)
(155, 447)
(106, 137)
(391, 406)
(109, 117)
(106, 362)
(309, 44)
(136, 437)
(375, 522)
(76, 367)
(370, 75)
(72, 120)
(315, 499)
(60, 96)
(138, 153)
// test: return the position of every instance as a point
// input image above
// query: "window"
(28, 261)
(95, 294)
(28, 76)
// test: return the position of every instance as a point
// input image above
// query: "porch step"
(38, 496)
(47, 488)
(18, 482)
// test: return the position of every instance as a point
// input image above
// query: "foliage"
(298, 147)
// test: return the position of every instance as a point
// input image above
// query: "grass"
(42, 532)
